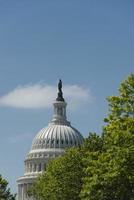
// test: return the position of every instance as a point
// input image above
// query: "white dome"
(49, 143)
(57, 136)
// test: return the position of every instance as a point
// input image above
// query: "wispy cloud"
(42, 96)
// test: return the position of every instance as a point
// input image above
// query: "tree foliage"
(120, 120)
(5, 193)
(92, 143)
(121, 108)
(109, 174)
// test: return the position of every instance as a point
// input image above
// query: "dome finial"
(60, 93)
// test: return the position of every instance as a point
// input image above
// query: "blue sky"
(88, 44)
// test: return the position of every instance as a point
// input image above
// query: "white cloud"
(42, 96)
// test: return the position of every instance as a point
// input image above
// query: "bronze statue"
(60, 85)
(60, 93)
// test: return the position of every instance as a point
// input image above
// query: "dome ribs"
(56, 138)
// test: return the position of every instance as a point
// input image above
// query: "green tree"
(92, 143)
(121, 108)
(5, 193)
(109, 174)
(62, 178)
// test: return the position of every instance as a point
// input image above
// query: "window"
(48, 141)
(39, 167)
(52, 141)
(34, 167)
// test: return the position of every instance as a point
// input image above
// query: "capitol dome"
(57, 136)
(49, 143)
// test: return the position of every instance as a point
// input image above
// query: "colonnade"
(22, 191)
(34, 167)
